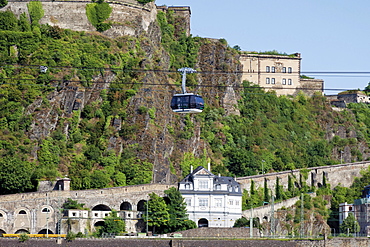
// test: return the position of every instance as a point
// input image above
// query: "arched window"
(45, 210)
(22, 212)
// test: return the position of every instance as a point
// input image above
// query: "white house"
(212, 201)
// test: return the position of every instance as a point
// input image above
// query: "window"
(284, 70)
(284, 82)
(45, 210)
(218, 186)
(289, 69)
(272, 80)
(203, 202)
(22, 212)
(187, 186)
(237, 202)
(1, 215)
(267, 69)
(218, 202)
(231, 202)
(188, 201)
(267, 80)
(289, 81)
(203, 184)
(273, 69)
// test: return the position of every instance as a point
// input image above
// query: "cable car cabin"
(187, 103)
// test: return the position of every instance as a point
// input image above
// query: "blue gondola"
(187, 102)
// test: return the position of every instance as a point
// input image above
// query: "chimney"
(209, 166)
(191, 169)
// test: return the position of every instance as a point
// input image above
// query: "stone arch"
(2, 232)
(99, 223)
(20, 231)
(46, 209)
(141, 205)
(3, 216)
(101, 207)
(125, 206)
(43, 231)
(22, 211)
(203, 222)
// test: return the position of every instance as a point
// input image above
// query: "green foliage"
(350, 224)
(23, 237)
(179, 220)
(15, 175)
(8, 21)
(72, 204)
(113, 224)
(97, 13)
(183, 49)
(158, 216)
(35, 11)
(244, 222)
(3, 3)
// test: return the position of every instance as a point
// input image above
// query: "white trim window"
(203, 202)
(188, 201)
(267, 80)
(218, 202)
(289, 81)
(272, 80)
(267, 69)
(290, 70)
(273, 69)
(203, 184)
(284, 81)
(284, 70)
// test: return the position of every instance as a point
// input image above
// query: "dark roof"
(230, 181)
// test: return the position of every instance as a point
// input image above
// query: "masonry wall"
(128, 16)
(342, 174)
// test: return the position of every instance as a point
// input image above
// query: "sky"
(331, 35)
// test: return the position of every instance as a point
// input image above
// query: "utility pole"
(47, 216)
(251, 223)
(59, 218)
(147, 216)
(272, 216)
(302, 216)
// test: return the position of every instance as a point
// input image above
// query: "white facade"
(212, 201)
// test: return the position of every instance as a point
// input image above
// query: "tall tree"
(179, 220)
(158, 215)
(350, 224)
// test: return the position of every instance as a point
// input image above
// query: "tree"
(350, 224)
(179, 220)
(113, 224)
(158, 215)
(15, 175)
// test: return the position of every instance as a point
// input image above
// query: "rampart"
(37, 211)
(335, 175)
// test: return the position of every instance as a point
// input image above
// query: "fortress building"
(281, 73)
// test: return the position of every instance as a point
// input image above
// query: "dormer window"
(187, 186)
(203, 184)
(236, 188)
(218, 186)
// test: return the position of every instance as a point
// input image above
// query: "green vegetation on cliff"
(115, 133)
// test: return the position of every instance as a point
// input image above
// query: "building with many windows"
(360, 209)
(281, 73)
(212, 201)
